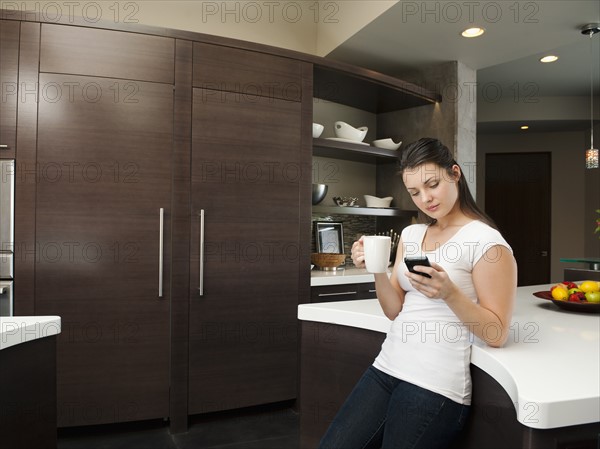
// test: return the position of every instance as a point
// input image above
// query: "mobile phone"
(411, 262)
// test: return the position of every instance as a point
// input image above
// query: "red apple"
(570, 284)
(577, 297)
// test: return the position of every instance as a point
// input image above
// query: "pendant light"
(591, 154)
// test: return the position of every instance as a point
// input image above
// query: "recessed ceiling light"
(549, 58)
(472, 32)
(524, 127)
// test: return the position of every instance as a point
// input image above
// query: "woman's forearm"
(390, 299)
(482, 322)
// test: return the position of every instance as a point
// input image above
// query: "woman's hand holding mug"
(358, 253)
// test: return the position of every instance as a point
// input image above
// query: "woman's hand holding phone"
(412, 262)
(438, 286)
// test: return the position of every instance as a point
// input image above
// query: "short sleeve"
(488, 239)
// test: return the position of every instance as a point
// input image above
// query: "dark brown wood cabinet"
(247, 174)
(9, 61)
(106, 53)
(120, 122)
(247, 73)
(28, 392)
(104, 165)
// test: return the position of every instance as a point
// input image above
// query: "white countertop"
(349, 275)
(550, 365)
(15, 330)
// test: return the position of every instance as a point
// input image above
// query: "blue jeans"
(385, 412)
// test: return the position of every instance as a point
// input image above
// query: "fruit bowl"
(327, 261)
(588, 307)
(345, 131)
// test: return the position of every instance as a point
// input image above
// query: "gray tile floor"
(269, 427)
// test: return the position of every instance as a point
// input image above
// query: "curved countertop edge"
(533, 412)
(15, 330)
(349, 275)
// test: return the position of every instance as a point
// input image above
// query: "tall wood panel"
(25, 171)
(246, 177)
(9, 61)
(103, 256)
(104, 171)
(181, 237)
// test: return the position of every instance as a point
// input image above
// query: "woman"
(417, 392)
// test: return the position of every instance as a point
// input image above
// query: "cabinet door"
(246, 74)
(103, 173)
(245, 178)
(9, 61)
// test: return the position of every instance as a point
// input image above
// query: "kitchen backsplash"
(353, 226)
(356, 225)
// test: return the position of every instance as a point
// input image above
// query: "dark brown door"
(103, 173)
(245, 178)
(9, 62)
(517, 197)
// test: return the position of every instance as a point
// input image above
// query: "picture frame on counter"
(329, 237)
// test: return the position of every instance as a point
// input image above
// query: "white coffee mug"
(377, 252)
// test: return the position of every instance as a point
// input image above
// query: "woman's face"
(433, 190)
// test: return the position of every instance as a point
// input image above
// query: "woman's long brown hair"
(428, 150)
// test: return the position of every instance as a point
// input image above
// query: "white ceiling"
(518, 33)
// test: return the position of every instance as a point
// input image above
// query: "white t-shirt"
(427, 345)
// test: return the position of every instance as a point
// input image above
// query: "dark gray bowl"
(318, 193)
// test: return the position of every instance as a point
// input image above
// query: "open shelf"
(366, 89)
(372, 211)
(352, 151)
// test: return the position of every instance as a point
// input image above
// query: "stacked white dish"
(348, 133)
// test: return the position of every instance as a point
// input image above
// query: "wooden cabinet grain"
(248, 74)
(28, 392)
(103, 252)
(103, 173)
(246, 177)
(113, 54)
(9, 61)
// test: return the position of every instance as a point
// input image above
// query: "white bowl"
(345, 131)
(373, 201)
(387, 144)
(317, 129)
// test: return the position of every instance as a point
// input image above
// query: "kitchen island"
(541, 390)
(28, 381)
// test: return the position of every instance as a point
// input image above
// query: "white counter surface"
(349, 275)
(550, 366)
(15, 330)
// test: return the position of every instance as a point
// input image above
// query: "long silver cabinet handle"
(3, 147)
(160, 252)
(337, 294)
(201, 282)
